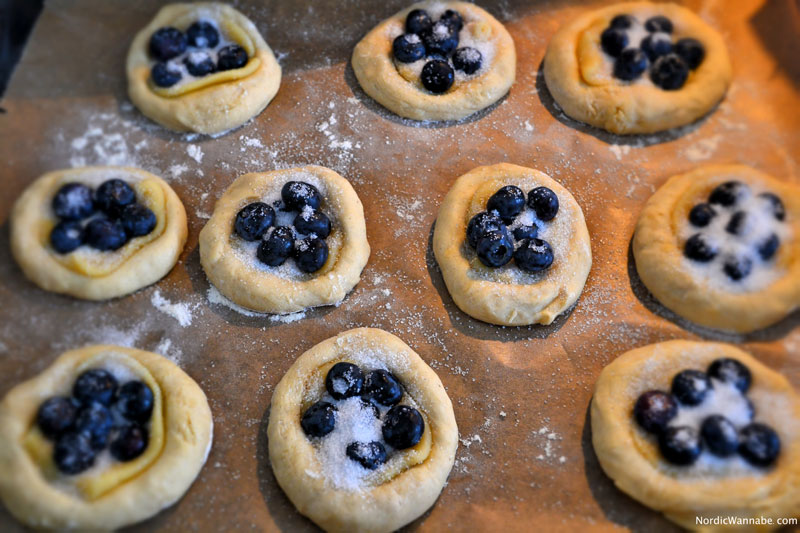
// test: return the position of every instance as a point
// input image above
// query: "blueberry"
(775, 204)
(526, 232)
(408, 48)
(622, 22)
(137, 220)
(700, 248)
(737, 224)
(105, 234)
(656, 45)
(613, 41)
(654, 409)
(669, 72)
(309, 222)
(231, 57)
(67, 236)
(277, 248)
(73, 201)
(319, 419)
(768, 248)
(95, 385)
(344, 380)
(453, 20)
(658, 23)
(738, 267)
(544, 202)
(310, 254)
(403, 427)
(253, 220)
(701, 215)
(468, 60)
(370, 455)
(167, 43)
(298, 194)
(728, 193)
(418, 21)
(495, 249)
(719, 435)
(95, 420)
(508, 202)
(199, 64)
(759, 444)
(481, 224)
(129, 442)
(55, 416)
(731, 371)
(73, 453)
(113, 195)
(135, 401)
(691, 51)
(437, 76)
(630, 64)
(165, 75)
(680, 445)
(690, 387)
(202, 34)
(441, 39)
(382, 387)
(534, 255)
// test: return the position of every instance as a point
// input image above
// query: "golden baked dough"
(231, 264)
(396, 86)
(407, 484)
(87, 273)
(632, 459)
(578, 74)
(702, 292)
(214, 103)
(109, 495)
(507, 295)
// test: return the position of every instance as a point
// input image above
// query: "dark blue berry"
(468, 60)
(453, 20)
(481, 224)
(526, 232)
(656, 45)
(199, 64)
(56, 415)
(508, 202)
(309, 222)
(622, 22)
(165, 75)
(298, 194)
(759, 444)
(437, 76)
(418, 21)
(408, 48)
(167, 43)
(231, 57)
(67, 236)
(630, 64)
(95, 385)
(737, 223)
(370, 455)
(544, 203)
(701, 215)
(129, 442)
(344, 380)
(113, 195)
(135, 401)
(380, 386)
(700, 248)
(202, 34)
(96, 421)
(319, 419)
(310, 254)
(253, 220)
(403, 427)
(691, 51)
(138, 220)
(690, 387)
(73, 453)
(669, 72)
(613, 41)
(441, 39)
(277, 248)
(728, 193)
(495, 249)
(73, 201)
(775, 204)
(731, 371)
(658, 23)
(533, 255)
(105, 234)
(719, 435)
(738, 267)
(680, 445)
(768, 248)
(654, 409)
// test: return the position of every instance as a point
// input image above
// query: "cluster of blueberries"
(402, 425)
(489, 235)
(757, 443)
(200, 39)
(439, 43)
(727, 197)
(669, 63)
(253, 223)
(113, 216)
(99, 413)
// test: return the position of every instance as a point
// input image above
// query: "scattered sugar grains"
(195, 152)
(182, 312)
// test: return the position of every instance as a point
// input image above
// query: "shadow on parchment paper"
(777, 24)
(770, 334)
(475, 328)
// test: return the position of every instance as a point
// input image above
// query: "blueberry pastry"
(202, 68)
(103, 438)
(97, 232)
(286, 240)
(637, 67)
(699, 429)
(436, 61)
(720, 246)
(362, 434)
(512, 245)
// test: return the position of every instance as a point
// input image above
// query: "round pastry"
(97, 232)
(361, 433)
(719, 246)
(512, 245)
(696, 429)
(436, 61)
(286, 240)
(104, 437)
(637, 67)
(201, 67)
